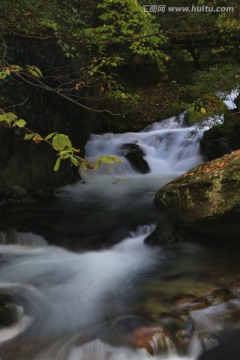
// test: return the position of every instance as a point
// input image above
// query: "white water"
(168, 147)
(68, 295)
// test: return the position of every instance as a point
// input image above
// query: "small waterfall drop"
(12, 237)
(168, 147)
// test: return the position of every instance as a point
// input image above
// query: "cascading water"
(88, 305)
(169, 149)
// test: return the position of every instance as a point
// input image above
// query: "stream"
(82, 275)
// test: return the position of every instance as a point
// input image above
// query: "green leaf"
(61, 142)
(34, 70)
(29, 136)
(15, 69)
(65, 154)
(84, 165)
(109, 159)
(49, 136)
(21, 123)
(57, 164)
(74, 161)
(98, 163)
(8, 117)
(3, 74)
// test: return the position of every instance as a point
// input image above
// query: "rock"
(181, 327)
(166, 233)
(206, 198)
(153, 339)
(216, 297)
(46, 193)
(18, 192)
(9, 311)
(237, 102)
(222, 138)
(226, 347)
(183, 301)
(208, 105)
(214, 148)
(134, 154)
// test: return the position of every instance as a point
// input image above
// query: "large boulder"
(206, 198)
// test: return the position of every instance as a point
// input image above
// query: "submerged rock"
(134, 154)
(166, 233)
(153, 339)
(225, 347)
(206, 198)
(9, 311)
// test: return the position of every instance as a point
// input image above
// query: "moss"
(207, 198)
(208, 105)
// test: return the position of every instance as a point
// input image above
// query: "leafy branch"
(59, 142)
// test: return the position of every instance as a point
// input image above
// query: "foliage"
(208, 105)
(221, 79)
(122, 23)
(94, 42)
(59, 142)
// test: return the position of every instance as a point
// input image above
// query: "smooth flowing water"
(79, 303)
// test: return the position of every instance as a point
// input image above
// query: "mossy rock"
(208, 105)
(206, 198)
(9, 311)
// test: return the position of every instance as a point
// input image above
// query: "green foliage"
(59, 142)
(209, 105)
(125, 25)
(221, 79)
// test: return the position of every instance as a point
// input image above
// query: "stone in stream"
(206, 199)
(153, 339)
(134, 154)
(166, 233)
(9, 311)
(138, 332)
(181, 328)
(189, 302)
(226, 347)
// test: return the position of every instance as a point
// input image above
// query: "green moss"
(206, 106)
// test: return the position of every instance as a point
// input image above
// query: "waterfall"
(168, 147)
(73, 302)
(11, 236)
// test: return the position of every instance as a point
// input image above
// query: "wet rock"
(9, 311)
(153, 339)
(222, 138)
(19, 193)
(184, 300)
(181, 328)
(235, 288)
(206, 199)
(226, 347)
(214, 148)
(219, 296)
(44, 194)
(237, 102)
(166, 233)
(134, 154)
(189, 302)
